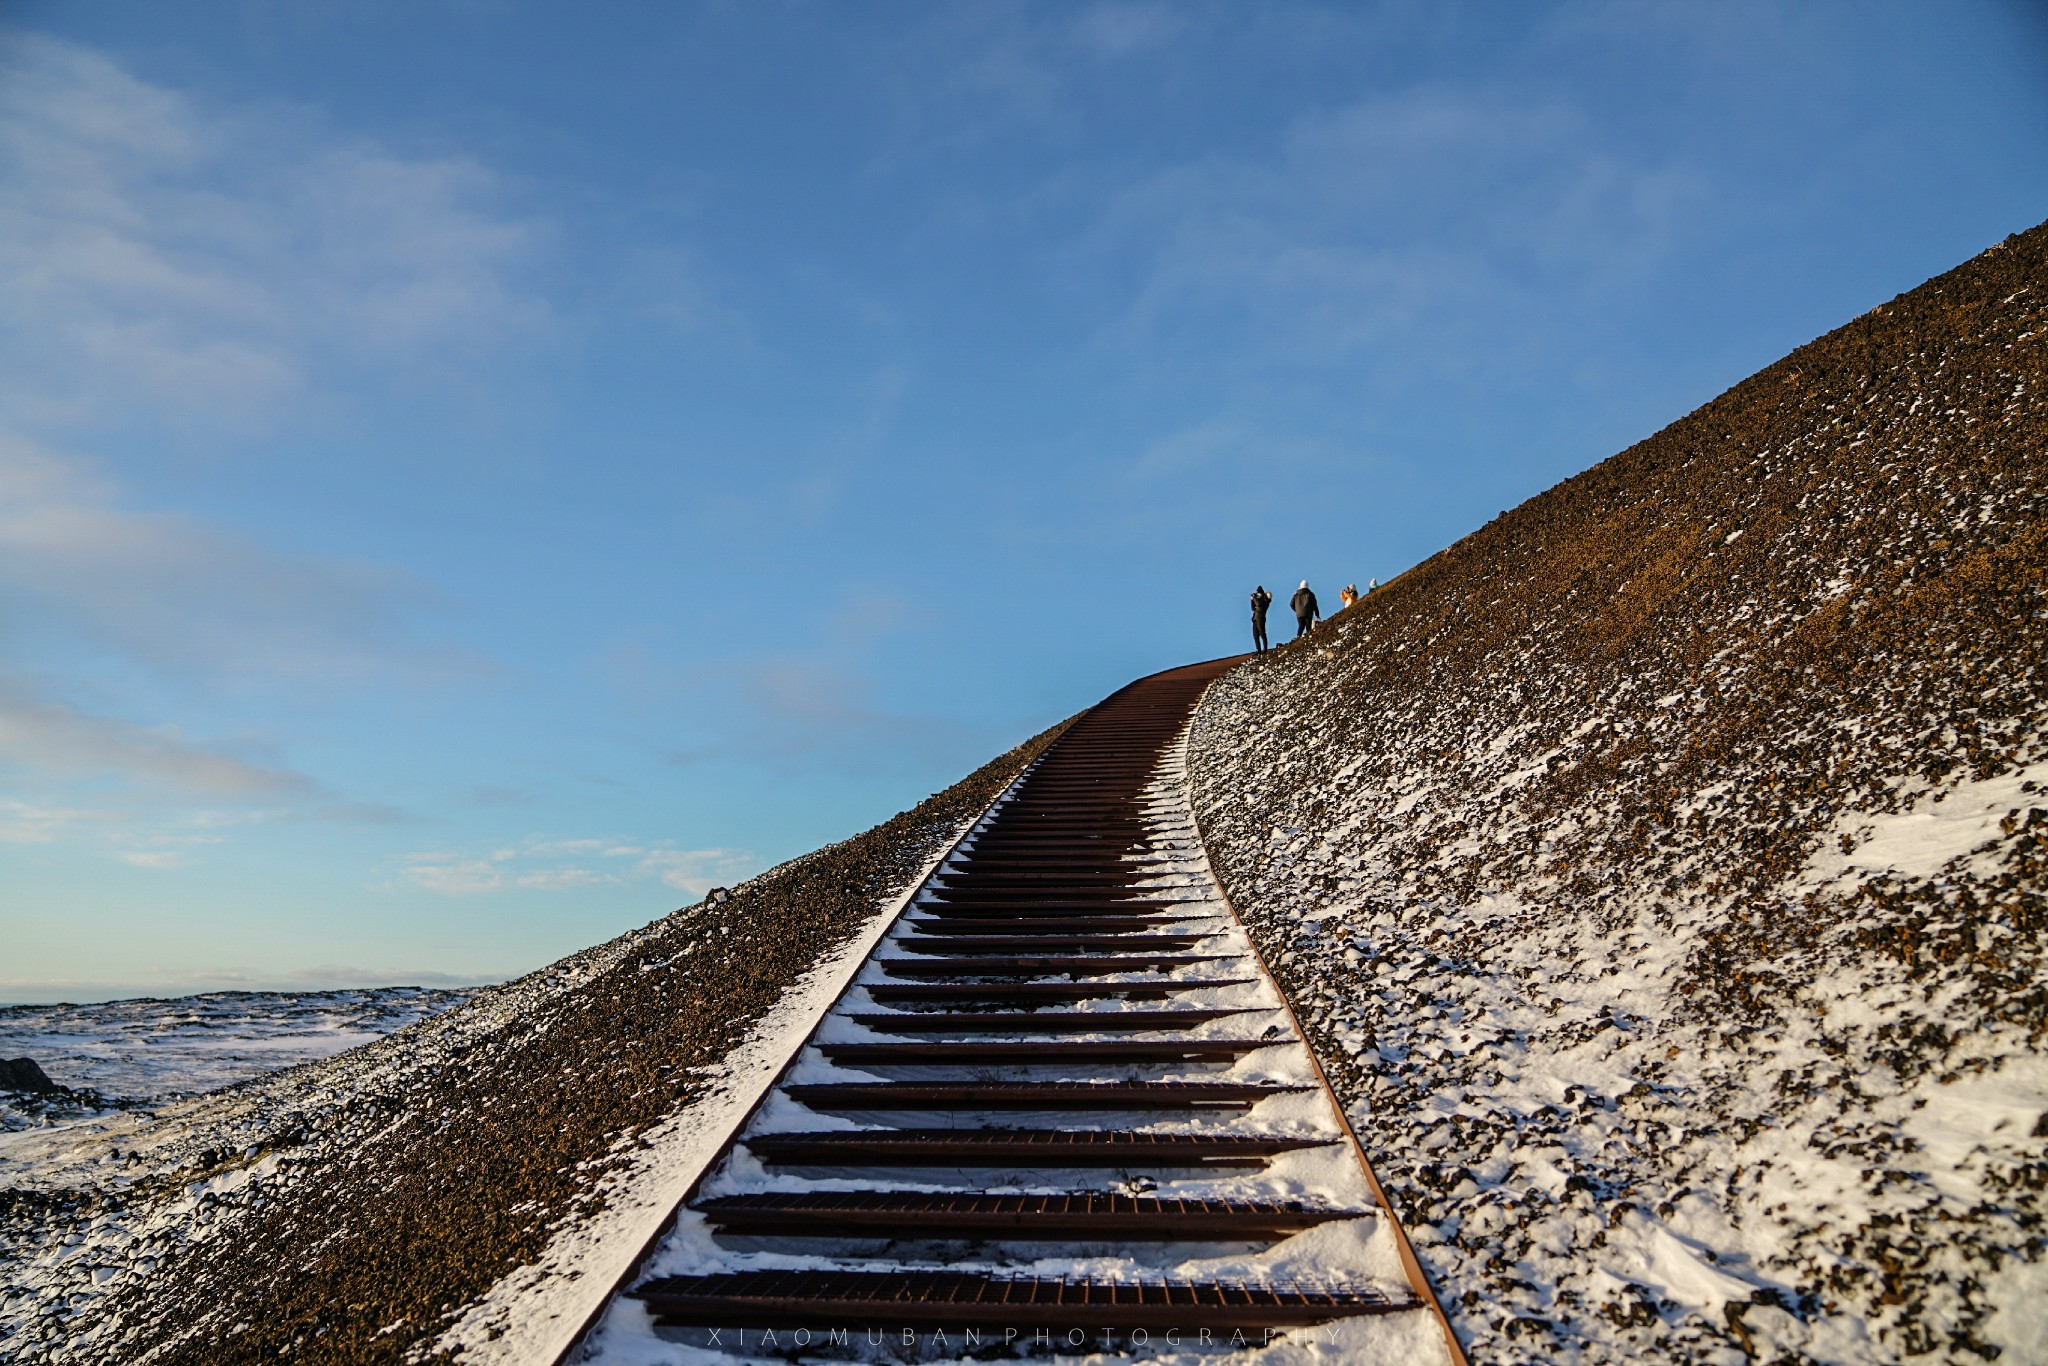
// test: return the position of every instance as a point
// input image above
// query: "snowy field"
(140, 1052)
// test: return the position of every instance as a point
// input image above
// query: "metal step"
(956, 903)
(1071, 943)
(1040, 1021)
(1036, 1148)
(1032, 993)
(1048, 924)
(1091, 1214)
(1100, 1052)
(1047, 965)
(928, 1299)
(1025, 1095)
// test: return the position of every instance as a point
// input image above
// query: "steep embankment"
(1663, 869)
(350, 1210)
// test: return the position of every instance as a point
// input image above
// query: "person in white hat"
(1306, 613)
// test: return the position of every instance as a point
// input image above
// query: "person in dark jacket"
(1306, 613)
(1261, 600)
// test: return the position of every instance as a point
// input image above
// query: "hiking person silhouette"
(1306, 613)
(1261, 600)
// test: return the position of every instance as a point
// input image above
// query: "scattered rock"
(23, 1074)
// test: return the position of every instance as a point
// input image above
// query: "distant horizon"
(113, 993)
(475, 478)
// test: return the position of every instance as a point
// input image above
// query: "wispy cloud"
(199, 259)
(693, 870)
(1356, 229)
(37, 823)
(1126, 28)
(994, 67)
(455, 874)
(157, 858)
(794, 710)
(177, 595)
(110, 592)
(123, 832)
(796, 713)
(1223, 453)
(172, 261)
(57, 739)
(555, 865)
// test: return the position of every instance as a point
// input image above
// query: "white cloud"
(1223, 452)
(118, 833)
(693, 870)
(560, 848)
(560, 879)
(161, 258)
(108, 593)
(203, 261)
(454, 875)
(157, 858)
(544, 865)
(1112, 31)
(796, 713)
(32, 823)
(990, 68)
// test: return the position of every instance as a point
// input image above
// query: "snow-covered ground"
(148, 1050)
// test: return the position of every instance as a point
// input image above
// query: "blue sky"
(474, 474)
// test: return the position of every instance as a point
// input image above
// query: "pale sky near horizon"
(474, 474)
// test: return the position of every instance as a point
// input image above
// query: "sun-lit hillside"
(1661, 867)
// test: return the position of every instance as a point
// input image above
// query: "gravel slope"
(1660, 869)
(348, 1210)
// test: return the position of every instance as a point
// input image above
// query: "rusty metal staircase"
(1062, 1096)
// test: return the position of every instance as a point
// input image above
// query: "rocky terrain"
(1662, 870)
(350, 1210)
